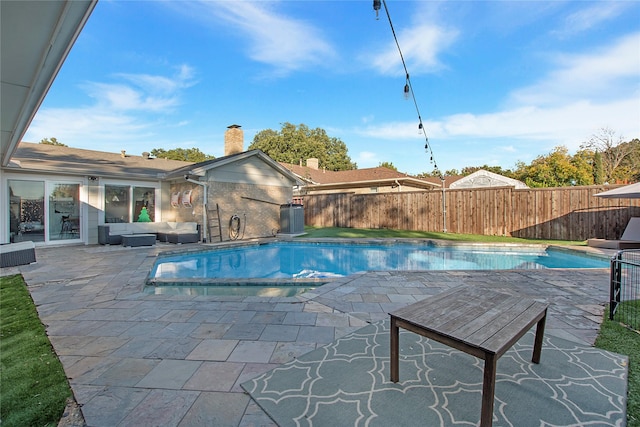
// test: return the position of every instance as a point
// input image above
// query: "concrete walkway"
(138, 359)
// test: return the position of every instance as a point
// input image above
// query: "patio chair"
(630, 239)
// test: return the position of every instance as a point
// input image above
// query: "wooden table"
(477, 321)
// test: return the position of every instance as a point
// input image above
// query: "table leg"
(395, 351)
(537, 347)
(488, 390)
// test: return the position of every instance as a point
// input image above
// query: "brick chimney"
(312, 163)
(233, 140)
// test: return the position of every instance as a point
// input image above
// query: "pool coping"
(322, 282)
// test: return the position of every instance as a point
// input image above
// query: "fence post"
(615, 283)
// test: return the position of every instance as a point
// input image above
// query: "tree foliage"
(184, 154)
(604, 158)
(557, 169)
(293, 144)
(388, 165)
(52, 141)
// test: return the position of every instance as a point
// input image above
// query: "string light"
(376, 7)
(408, 88)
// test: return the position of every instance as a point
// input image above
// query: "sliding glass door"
(26, 210)
(30, 218)
(64, 212)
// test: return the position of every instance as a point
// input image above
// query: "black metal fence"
(624, 305)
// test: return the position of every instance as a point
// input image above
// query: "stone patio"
(140, 359)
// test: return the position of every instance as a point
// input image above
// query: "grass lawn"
(33, 385)
(355, 233)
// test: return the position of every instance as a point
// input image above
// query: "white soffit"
(35, 39)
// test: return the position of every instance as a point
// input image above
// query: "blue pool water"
(316, 261)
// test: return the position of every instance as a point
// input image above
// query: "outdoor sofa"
(173, 232)
(630, 239)
(14, 254)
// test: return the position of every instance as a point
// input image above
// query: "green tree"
(293, 144)
(556, 169)
(388, 165)
(629, 168)
(468, 170)
(598, 170)
(52, 141)
(184, 154)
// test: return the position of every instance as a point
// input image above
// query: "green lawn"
(356, 233)
(33, 386)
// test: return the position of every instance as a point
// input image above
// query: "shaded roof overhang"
(35, 39)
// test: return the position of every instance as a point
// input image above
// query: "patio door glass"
(26, 210)
(64, 212)
(116, 203)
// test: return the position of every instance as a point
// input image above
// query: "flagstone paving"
(138, 359)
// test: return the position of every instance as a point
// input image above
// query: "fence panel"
(567, 213)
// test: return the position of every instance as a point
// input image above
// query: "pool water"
(315, 261)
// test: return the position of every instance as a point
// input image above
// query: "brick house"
(59, 195)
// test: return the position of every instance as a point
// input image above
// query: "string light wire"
(408, 88)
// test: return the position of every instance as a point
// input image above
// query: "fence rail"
(624, 301)
(567, 213)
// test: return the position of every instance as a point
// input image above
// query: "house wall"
(94, 201)
(250, 189)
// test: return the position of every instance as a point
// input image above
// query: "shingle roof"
(357, 177)
(318, 176)
(75, 161)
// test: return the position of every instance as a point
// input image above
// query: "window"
(123, 203)
(116, 203)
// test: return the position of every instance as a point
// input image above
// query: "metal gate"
(624, 301)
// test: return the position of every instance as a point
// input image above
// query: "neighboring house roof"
(200, 169)
(483, 178)
(76, 161)
(356, 178)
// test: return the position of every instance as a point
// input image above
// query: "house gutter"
(205, 190)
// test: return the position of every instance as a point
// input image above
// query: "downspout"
(205, 227)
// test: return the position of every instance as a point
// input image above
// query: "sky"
(494, 82)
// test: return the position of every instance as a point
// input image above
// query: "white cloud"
(592, 16)
(132, 110)
(283, 42)
(420, 46)
(367, 159)
(605, 73)
(583, 94)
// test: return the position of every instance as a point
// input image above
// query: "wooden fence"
(566, 213)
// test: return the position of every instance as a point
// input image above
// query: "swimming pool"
(312, 263)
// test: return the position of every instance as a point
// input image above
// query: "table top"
(476, 317)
